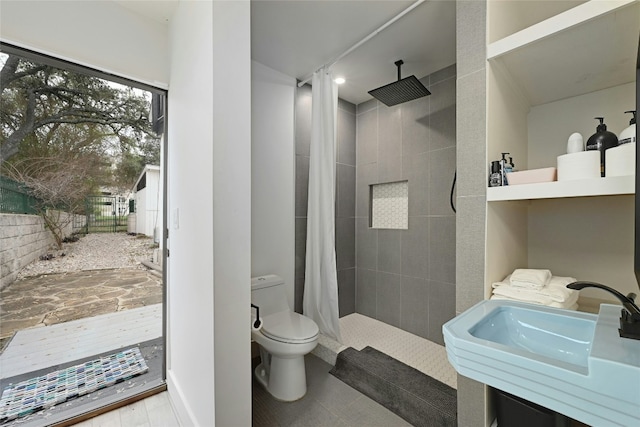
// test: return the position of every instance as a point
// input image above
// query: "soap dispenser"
(602, 140)
(629, 134)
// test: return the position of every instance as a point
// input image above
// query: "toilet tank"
(268, 293)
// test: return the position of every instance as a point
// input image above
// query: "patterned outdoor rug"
(56, 387)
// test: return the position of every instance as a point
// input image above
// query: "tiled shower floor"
(359, 331)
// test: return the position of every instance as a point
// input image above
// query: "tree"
(61, 183)
(132, 162)
(61, 132)
(36, 99)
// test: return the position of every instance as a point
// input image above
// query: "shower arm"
(399, 65)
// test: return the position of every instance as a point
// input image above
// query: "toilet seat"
(289, 327)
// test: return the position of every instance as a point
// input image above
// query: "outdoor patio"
(50, 299)
(52, 319)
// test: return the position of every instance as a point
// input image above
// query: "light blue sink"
(571, 362)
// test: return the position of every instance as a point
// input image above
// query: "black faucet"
(630, 314)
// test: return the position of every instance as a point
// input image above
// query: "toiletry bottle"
(504, 168)
(629, 134)
(495, 178)
(508, 168)
(602, 140)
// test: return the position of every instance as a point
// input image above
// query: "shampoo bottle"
(629, 134)
(602, 140)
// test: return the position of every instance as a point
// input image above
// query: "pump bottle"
(602, 140)
(629, 133)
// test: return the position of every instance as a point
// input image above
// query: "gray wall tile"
(303, 120)
(346, 106)
(346, 138)
(415, 306)
(471, 36)
(366, 245)
(345, 243)
(472, 162)
(366, 106)
(366, 292)
(389, 249)
(471, 408)
(300, 246)
(346, 192)
(302, 185)
(442, 249)
(442, 117)
(470, 236)
(442, 308)
(390, 168)
(443, 74)
(365, 176)
(415, 126)
(347, 291)
(389, 131)
(367, 137)
(471, 48)
(415, 248)
(442, 166)
(416, 169)
(388, 290)
(298, 294)
(427, 134)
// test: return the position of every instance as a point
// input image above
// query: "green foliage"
(65, 135)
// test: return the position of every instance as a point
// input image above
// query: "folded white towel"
(529, 278)
(555, 291)
(566, 306)
(550, 296)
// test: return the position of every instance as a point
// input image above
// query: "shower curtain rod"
(364, 40)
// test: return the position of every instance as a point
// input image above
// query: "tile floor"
(154, 411)
(359, 331)
(328, 403)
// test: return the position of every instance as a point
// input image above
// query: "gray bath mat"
(412, 395)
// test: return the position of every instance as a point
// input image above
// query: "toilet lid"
(288, 326)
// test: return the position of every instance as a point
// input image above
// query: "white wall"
(586, 238)
(272, 174)
(231, 122)
(190, 373)
(209, 144)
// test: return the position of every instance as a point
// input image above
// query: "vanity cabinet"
(551, 68)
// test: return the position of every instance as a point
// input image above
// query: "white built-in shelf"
(560, 189)
(590, 47)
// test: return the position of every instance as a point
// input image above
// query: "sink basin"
(566, 339)
(571, 362)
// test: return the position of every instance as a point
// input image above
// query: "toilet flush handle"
(258, 322)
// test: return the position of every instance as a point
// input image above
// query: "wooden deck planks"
(42, 347)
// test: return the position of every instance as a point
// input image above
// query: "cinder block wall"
(23, 238)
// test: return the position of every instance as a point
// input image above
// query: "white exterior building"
(148, 197)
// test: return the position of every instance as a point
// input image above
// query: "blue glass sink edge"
(584, 390)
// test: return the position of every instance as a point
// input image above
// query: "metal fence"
(106, 214)
(16, 198)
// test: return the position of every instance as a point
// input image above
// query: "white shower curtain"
(320, 301)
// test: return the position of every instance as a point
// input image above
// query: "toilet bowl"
(284, 337)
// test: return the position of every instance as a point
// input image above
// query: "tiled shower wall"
(407, 278)
(345, 198)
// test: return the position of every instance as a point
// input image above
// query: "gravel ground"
(95, 251)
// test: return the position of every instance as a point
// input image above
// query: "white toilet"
(284, 339)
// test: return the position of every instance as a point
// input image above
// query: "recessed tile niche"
(389, 203)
